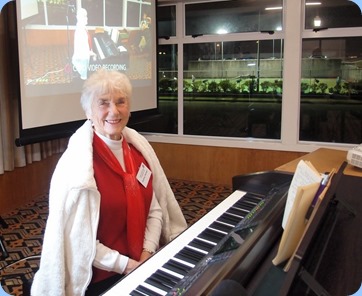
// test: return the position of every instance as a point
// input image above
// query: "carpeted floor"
(47, 65)
(22, 232)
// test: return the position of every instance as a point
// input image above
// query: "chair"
(4, 253)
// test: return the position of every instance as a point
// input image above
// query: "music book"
(305, 174)
(302, 190)
(310, 220)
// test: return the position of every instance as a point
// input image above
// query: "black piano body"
(245, 254)
(328, 260)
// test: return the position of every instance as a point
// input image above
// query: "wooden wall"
(22, 185)
(217, 164)
(188, 162)
(54, 37)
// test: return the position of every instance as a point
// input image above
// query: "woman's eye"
(103, 103)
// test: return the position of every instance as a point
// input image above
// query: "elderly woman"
(110, 204)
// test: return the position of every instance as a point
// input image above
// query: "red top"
(125, 203)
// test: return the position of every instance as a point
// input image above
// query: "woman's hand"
(145, 255)
(131, 265)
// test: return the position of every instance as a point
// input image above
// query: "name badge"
(143, 175)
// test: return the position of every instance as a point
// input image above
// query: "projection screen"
(58, 50)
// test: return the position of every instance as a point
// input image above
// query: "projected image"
(61, 42)
(66, 52)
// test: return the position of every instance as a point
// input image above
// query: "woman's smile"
(110, 114)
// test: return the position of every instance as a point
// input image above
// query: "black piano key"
(197, 254)
(166, 278)
(147, 291)
(236, 211)
(245, 205)
(253, 198)
(162, 280)
(202, 245)
(177, 267)
(254, 195)
(190, 256)
(221, 226)
(137, 293)
(235, 218)
(247, 201)
(230, 219)
(159, 284)
(211, 235)
(243, 210)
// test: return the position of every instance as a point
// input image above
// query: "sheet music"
(304, 174)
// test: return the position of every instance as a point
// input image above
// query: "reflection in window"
(233, 17)
(233, 89)
(166, 21)
(331, 90)
(333, 14)
(167, 93)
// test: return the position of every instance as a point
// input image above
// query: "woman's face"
(110, 114)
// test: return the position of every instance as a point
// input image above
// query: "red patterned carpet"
(22, 232)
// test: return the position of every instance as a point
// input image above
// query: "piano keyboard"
(170, 265)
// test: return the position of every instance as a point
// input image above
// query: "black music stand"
(330, 238)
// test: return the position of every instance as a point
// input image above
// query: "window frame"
(293, 34)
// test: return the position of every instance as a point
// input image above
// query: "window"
(331, 73)
(166, 20)
(167, 93)
(233, 89)
(331, 90)
(241, 79)
(233, 17)
(332, 14)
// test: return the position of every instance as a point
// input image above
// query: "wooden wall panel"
(217, 164)
(188, 162)
(25, 184)
(54, 37)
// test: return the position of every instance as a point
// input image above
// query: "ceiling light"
(274, 8)
(317, 21)
(222, 31)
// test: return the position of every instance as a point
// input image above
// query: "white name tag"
(143, 175)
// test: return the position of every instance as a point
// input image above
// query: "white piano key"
(221, 226)
(183, 262)
(228, 224)
(218, 230)
(206, 241)
(197, 249)
(140, 274)
(153, 288)
(180, 276)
